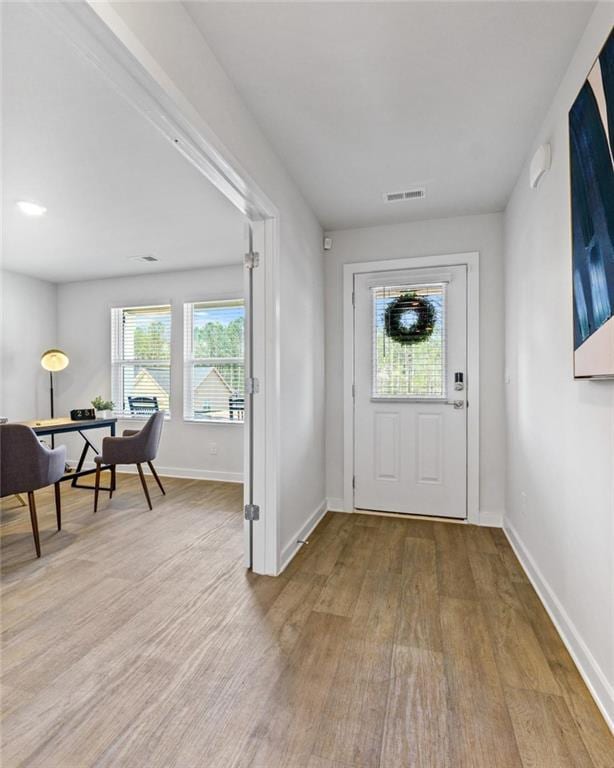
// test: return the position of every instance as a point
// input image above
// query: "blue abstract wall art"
(591, 137)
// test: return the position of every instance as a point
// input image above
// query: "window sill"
(132, 417)
(232, 422)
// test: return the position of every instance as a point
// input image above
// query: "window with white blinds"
(214, 374)
(141, 360)
(409, 369)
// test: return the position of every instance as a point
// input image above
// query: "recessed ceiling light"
(31, 209)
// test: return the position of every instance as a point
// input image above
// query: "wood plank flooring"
(139, 640)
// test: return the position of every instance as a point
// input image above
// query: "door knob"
(458, 404)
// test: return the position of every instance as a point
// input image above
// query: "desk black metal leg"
(91, 445)
(113, 480)
(80, 463)
(86, 447)
(96, 488)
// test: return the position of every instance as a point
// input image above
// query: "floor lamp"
(53, 360)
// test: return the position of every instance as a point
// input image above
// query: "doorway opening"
(157, 258)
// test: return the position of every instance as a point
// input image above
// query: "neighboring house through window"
(141, 359)
(214, 361)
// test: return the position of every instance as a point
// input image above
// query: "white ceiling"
(365, 98)
(113, 186)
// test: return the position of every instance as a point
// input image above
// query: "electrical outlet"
(213, 448)
(524, 502)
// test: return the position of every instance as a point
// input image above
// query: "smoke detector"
(148, 258)
(415, 193)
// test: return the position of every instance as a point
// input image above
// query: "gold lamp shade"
(54, 360)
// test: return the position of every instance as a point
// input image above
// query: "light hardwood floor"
(140, 640)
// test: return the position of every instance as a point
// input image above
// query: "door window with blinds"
(409, 342)
(141, 360)
(214, 375)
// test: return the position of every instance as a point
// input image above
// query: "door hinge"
(354, 482)
(252, 512)
(353, 299)
(252, 260)
(354, 390)
(252, 386)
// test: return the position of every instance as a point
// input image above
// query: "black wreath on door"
(410, 319)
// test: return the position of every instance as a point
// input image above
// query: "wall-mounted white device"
(539, 165)
(328, 243)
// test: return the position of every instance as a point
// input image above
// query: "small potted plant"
(104, 408)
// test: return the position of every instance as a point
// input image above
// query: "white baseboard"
(188, 474)
(491, 519)
(293, 546)
(594, 677)
(197, 474)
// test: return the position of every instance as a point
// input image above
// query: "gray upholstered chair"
(26, 466)
(133, 447)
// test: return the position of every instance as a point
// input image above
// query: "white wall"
(84, 328)
(424, 238)
(29, 327)
(172, 39)
(560, 431)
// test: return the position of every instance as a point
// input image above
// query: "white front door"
(410, 417)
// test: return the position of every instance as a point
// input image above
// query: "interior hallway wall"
(560, 500)
(84, 328)
(423, 238)
(28, 328)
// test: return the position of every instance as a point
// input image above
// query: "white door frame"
(99, 34)
(472, 261)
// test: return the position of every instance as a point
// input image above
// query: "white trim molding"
(336, 505)
(194, 474)
(472, 261)
(218, 476)
(303, 533)
(491, 519)
(592, 674)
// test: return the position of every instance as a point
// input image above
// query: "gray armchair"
(26, 466)
(133, 447)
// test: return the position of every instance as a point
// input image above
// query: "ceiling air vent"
(417, 193)
(148, 258)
